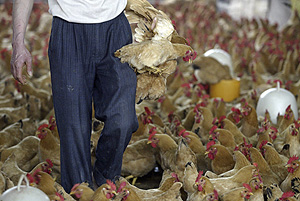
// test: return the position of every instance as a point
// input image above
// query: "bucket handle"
(23, 176)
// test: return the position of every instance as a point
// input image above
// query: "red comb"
(74, 187)
(199, 175)
(247, 186)
(49, 162)
(287, 195)
(111, 184)
(263, 143)
(122, 185)
(209, 144)
(148, 111)
(293, 158)
(152, 134)
(213, 129)
(42, 126)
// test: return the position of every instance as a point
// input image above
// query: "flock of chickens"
(209, 149)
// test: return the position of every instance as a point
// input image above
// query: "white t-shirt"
(86, 11)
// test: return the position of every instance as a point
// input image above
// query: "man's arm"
(20, 55)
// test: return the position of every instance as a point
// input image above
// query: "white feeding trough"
(24, 193)
(276, 100)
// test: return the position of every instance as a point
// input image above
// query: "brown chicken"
(209, 70)
(269, 177)
(244, 175)
(172, 156)
(11, 135)
(288, 119)
(48, 147)
(291, 182)
(276, 161)
(272, 192)
(223, 136)
(138, 159)
(249, 125)
(82, 192)
(221, 159)
(230, 126)
(109, 191)
(25, 153)
(238, 194)
(149, 55)
(202, 187)
(256, 185)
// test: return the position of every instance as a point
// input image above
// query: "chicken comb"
(199, 175)
(216, 195)
(74, 187)
(42, 126)
(170, 116)
(148, 111)
(174, 175)
(221, 118)
(30, 178)
(209, 144)
(297, 125)
(186, 85)
(274, 129)
(49, 162)
(17, 86)
(263, 143)
(152, 134)
(61, 197)
(121, 186)
(111, 184)
(152, 130)
(287, 195)
(293, 158)
(247, 186)
(213, 129)
(183, 133)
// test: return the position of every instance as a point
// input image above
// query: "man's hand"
(20, 57)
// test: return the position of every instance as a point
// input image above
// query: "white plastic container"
(276, 100)
(24, 193)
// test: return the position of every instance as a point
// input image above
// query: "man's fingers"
(29, 66)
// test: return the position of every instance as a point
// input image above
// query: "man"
(84, 36)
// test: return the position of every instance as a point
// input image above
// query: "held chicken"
(149, 55)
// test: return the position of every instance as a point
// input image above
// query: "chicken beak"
(250, 194)
(206, 152)
(72, 193)
(149, 142)
(288, 165)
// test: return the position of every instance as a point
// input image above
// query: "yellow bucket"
(226, 89)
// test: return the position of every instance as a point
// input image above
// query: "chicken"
(272, 192)
(289, 137)
(244, 175)
(291, 182)
(150, 86)
(25, 153)
(276, 161)
(189, 178)
(249, 125)
(256, 185)
(138, 159)
(223, 136)
(238, 135)
(165, 185)
(149, 55)
(152, 23)
(210, 71)
(109, 191)
(202, 188)
(11, 169)
(172, 156)
(221, 159)
(269, 177)
(2, 183)
(197, 147)
(82, 192)
(11, 135)
(219, 107)
(287, 119)
(240, 162)
(48, 147)
(203, 122)
(238, 194)
(171, 194)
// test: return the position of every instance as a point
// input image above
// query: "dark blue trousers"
(84, 69)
